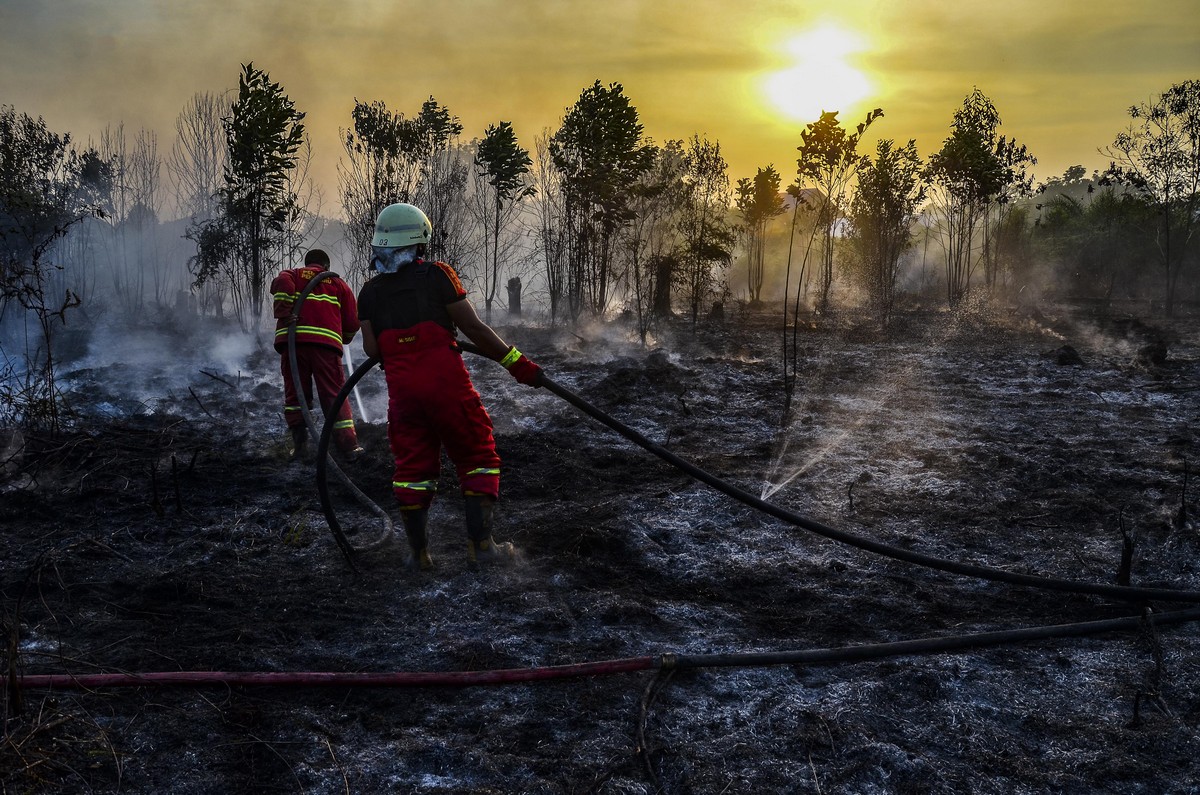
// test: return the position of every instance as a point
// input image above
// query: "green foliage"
(1158, 157)
(651, 242)
(1097, 242)
(46, 187)
(599, 151)
(759, 201)
(504, 162)
(505, 167)
(599, 154)
(967, 165)
(828, 162)
(263, 135)
(707, 234)
(976, 170)
(890, 191)
(829, 154)
(393, 159)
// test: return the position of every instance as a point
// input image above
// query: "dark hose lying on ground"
(667, 661)
(311, 425)
(1123, 593)
(813, 657)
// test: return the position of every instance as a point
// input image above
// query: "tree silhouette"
(882, 212)
(505, 167)
(759, 201)
(975, 170)
(1158, 157)
(390, 159)
(828, 162)
(46, 187)
(599, 154)
(706, 232)
(263, 134)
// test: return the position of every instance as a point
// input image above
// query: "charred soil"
(169, 532)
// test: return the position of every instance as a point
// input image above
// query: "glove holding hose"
(522, 368)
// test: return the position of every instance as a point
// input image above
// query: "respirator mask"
(390, 260)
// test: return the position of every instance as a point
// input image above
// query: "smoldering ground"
(173, 535)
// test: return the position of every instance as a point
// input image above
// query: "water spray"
(1118, 592)
(348, 363)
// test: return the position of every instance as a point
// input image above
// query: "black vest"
(407, 297)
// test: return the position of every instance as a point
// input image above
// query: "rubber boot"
(415, 522)
(481, 547)
(299, 442)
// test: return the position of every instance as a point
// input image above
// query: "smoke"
(137, 370)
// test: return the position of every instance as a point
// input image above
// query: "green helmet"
(401, 225)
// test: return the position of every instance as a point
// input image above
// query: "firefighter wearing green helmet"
(411, 312)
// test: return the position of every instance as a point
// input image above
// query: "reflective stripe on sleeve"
(511, 357)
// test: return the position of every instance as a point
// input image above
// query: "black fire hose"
(335, 527)
(310, 425)
(1118, 592)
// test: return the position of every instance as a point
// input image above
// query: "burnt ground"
(168, 532)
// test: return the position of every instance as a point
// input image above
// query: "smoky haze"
(1062, 73)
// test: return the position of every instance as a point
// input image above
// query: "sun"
(821, 79)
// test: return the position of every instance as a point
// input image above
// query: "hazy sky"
(749, 73)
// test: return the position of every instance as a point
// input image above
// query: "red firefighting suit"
(432, 402)
(328, 318)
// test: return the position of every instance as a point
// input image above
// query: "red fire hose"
(848, 654)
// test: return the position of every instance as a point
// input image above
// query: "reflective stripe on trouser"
(322, 366)
(432, 404)
(414, 494)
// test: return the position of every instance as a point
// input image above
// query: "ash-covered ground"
(168, 532)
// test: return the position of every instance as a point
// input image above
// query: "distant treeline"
(589, 220)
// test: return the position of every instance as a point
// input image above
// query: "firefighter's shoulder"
(447, 269)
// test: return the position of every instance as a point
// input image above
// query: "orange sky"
(1062, 73)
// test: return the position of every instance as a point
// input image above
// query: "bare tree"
(302, 220)
(196, 165)
(197, 158)
(652, 239)
(135, 264)
(551, 230)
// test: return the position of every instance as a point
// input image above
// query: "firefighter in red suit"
(410, 311)
(328, 319)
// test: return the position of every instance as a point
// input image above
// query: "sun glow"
(821, 78)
